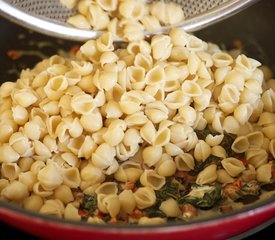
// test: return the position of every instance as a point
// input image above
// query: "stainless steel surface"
(49, 17)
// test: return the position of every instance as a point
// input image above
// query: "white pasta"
(33, 203)
(256, 156)
(166, 166)
(71, 213)
(52, 208)
(218, 151)
(79, 21)
(128, 171)
(123, 126)
(264, 173)
(202, 151)
(214, 140)
(145, 197)
(233, 166)
(10, 171)
(185, 162)
(15, 191)
(170, 208)
(49, 177)
(150, 178)
(151, 155)
(207, 175)
(127, 201)
(240, 144)
(272, 147)
(151, 221)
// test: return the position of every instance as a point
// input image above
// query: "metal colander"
(49, 16)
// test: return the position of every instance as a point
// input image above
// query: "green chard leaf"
(204, 197)
(89, 203)
(249, 192)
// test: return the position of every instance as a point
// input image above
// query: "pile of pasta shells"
(116, 122)
(126, 19)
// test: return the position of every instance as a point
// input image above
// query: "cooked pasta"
(138, 133)
(126, 19)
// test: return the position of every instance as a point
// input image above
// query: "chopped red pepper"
(14, 54)
(83, 213)
(188, 211)
(74, 49)
(245, 161)
(231, 190)
(136, 214)
(238, 183)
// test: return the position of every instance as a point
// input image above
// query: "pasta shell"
(55, 87)
(79, 21)
(224, 177)
(266, 118)
(155, 76)
(128, 171)
(25, 97)
(214, 140)
(148, 132)
(202, 151)
(151, 155)
(131, 9)
(172, 149)
(222, 59)
(268, 98)
(52, 208)
(231, 125)
(269, 131)
(83, 103)
(143, 61)
(161, 47)
(162, 137)
(166, 166)
(229, 93)
(170, 208)
(233, 166)
(50, 177)
(207, 175)
(107, 188)
(151, 179)
(272, 147)
(191, 89)
(127, 201)
(145, 197)
(240, 144)
(256, 157)
(255, 139)
(185, 162)
(151, 23)
(188, 115)
(243, 112)
(264, 173)
(105, 42)
(176, 99)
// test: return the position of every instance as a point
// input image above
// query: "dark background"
(253, 28)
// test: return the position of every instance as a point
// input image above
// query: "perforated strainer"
(49, 16)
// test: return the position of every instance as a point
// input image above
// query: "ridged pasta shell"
(233, 166)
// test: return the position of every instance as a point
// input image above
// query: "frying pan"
(253, 28)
